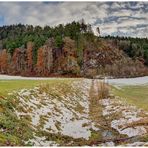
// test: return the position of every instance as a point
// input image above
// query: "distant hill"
(70, 50)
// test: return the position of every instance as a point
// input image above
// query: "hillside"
(69, 50)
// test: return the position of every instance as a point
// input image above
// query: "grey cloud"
(114, 18)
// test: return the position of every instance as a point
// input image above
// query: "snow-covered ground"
(56, 113)
(128, 81)
(122, 81)
(127, 114)
(65, 109)
(8, 77)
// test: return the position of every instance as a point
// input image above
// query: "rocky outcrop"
(65, 59)
(110, 61)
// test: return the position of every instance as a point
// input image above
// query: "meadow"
(7, 86)
(134, 94)
(71, 112)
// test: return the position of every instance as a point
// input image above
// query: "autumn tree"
(40, 61)
(30, 56)
(15, 61)
(0, 60)
(70, 64)
(4, 61)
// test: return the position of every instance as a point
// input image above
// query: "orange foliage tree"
(4, 61)
(40, 61)
(30, 56)
(15, 61)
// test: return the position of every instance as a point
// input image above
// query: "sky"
(113, 18)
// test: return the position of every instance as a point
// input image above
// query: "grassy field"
(16, 129)
(135, 95)
(59, 101)
(10, 85)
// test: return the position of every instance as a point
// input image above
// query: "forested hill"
(71, 50)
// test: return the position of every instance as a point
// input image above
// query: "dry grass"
(103, 90)
(142, 122)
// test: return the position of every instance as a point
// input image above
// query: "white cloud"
(39, 13)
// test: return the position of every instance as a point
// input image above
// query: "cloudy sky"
(113, 18)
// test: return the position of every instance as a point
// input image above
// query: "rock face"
(60, 60)
(70, 59)
(110, 61)
(65, 59)
(96, 60)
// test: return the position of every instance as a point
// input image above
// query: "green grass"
(18, 130)
(10, 85)
(14, 130)
(135, 95)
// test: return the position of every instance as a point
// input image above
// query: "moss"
(16, 131)
(27, 118)
(95, 135)
(9, 140)
(144, 138)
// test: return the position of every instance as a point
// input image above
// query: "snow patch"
(130, 131)
(41, 141)
(129, 81)
(137, 144)
(75, 129)
(57, 115)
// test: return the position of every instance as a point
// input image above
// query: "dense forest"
(72, 50)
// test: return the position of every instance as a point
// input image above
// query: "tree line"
(136, 48)
(29, 50)
(63, 49)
